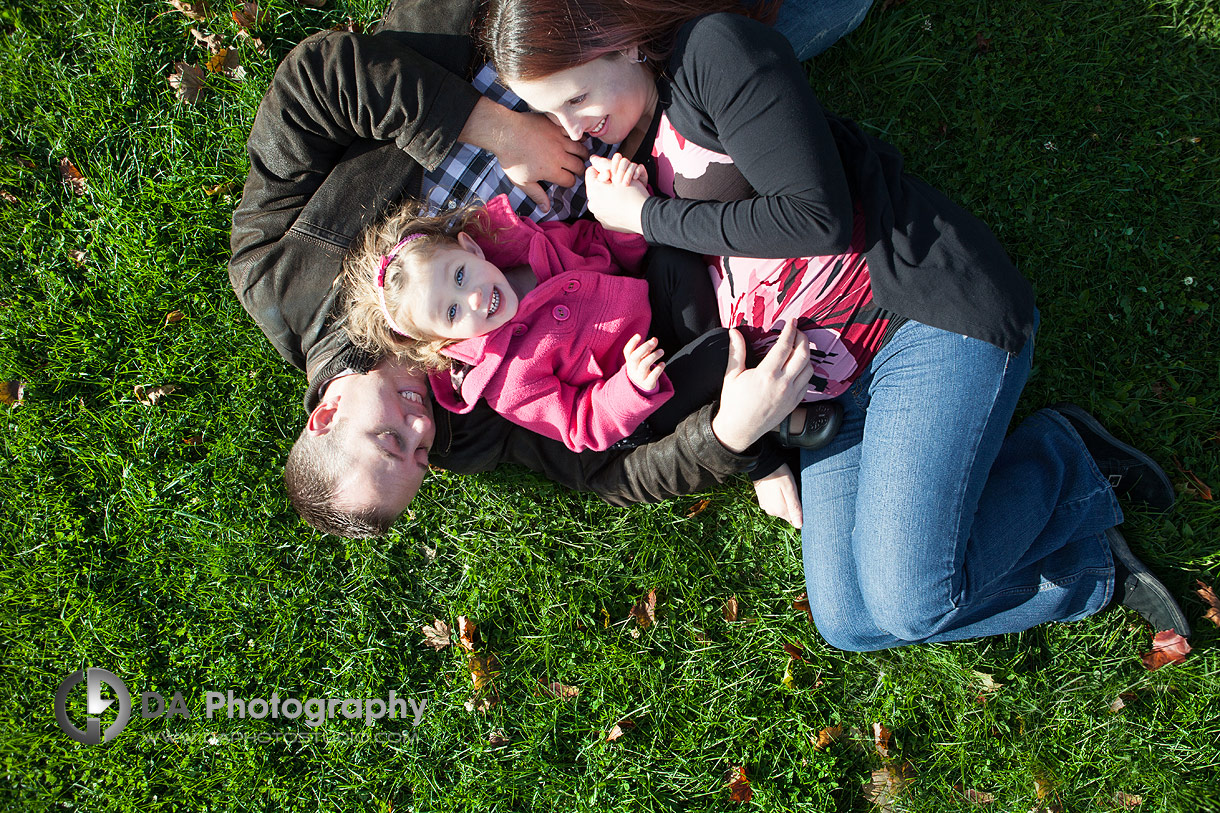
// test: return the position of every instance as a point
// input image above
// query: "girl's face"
(461, 295)
(605, 98)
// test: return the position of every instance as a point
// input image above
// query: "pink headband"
(386, 259)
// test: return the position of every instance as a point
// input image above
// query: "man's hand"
(779, 496)
(755, 401)
(617, 201)
(529, 146)
(643, 363)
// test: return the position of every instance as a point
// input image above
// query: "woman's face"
(605, 98)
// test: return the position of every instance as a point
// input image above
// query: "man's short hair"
(312, 476)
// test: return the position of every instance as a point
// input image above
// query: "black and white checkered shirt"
(471, 175)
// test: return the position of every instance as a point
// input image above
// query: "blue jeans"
(924, 523)
(812, 26)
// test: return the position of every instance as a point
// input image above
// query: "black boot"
(1135, 587)
(1131, 472)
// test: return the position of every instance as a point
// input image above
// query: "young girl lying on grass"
(540, 320)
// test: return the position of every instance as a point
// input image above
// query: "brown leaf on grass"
(729, 610)
(7, 196)
(188, 80)
(1199, 487)
(351, 25)
(559, 690)
(437, 635)
(1167, 647)
(222, 189)
(152, 396)
(698, 508)
(196, 11)
(1127, 800)
(313, 3)
(982, 44)
(887, 785)
(12, 393)
(498, 739)
(211, 42)
(800, 603)
(739, 785)
(883, 741)
(79, 257)
(826, 737)
(483, 671)
(26, 162)
(620, 728)
(228, 62)
(248, 16)
(1119, 703)
(1209, 598)
(72, 177)
(645, 613)
(174, 317)
(468, 634)
(977, 797)
(193, 440)
(256, 43)
(987, 682)
(795, 652)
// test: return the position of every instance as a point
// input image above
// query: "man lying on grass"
(351, 126)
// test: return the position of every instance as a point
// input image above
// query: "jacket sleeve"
(590, 416)
(316, 178)
(738, 89)
(690, 460)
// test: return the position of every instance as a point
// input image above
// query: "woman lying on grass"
(921, 521)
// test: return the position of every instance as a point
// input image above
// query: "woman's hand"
(755, 401)
(779, 496)
(616, 192)
(529, 146)
(643, 363)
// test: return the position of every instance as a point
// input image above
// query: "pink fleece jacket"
(556, 367)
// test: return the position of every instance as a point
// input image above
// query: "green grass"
(1088, 135)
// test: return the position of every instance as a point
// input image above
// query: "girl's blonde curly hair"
(365, 321)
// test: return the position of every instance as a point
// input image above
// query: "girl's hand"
(616, 193)
(644, 365)
(779, 496)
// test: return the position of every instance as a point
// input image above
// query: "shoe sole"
(1120, 549)
(1096, 427)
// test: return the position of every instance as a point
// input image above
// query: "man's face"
(385, 417)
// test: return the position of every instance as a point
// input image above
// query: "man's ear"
(323, 417)
(467, 243)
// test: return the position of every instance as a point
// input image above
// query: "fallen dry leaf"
(987, 682)
(12, 393)
(795, 652)
(196, 11)
(1167, 647)
(254, 41)
(1209, 598)
(729, 610)
(7, 196)
(188, 81)
(72, 177)
(977, 797)
(801, 602)
(211, 42)
(698, 508)
(982, 44)
(826, 737)
(645, 613)
(1128, 799)
(620, 728)
(1199, 487)
(351, 25)
(193, 440)
(468, 634)
(497, 739)
(313, 3)
(437, 635)
(563, 692)
(483, 671)
(228, 62)
(26, 162)
(481, 704)
(887, 785)
(249, 16)
(174, 317)
(739, 785)
(79, 257)
(1119, 703)
(153, 396)
(222, 189)
(883, 741)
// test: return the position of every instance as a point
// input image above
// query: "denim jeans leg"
(923, 523)
(812, 26)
